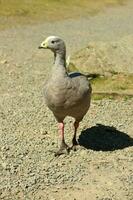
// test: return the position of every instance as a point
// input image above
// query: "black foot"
(64, 149)
(74, 145)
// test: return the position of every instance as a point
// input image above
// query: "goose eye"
(52, 41)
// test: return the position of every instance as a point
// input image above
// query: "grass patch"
(32, 11)
(118, 86)
(113, 96)
(118, 83)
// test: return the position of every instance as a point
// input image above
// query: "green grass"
(115, 86)
(119, 83)
(32, 11)
(113, 96)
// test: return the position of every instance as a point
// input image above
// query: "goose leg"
(74, 141)
(63, 146)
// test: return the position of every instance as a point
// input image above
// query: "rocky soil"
(106, 57)
(101, 168)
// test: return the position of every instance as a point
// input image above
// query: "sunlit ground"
(13, 12)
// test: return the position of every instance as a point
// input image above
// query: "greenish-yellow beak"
(44, 45)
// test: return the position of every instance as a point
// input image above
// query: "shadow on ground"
(104, 138)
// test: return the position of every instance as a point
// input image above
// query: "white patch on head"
(51, 38)
(45, 43)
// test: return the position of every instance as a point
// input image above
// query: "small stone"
(83, 152)
(4, 165)
(3, 62)
(6, 148)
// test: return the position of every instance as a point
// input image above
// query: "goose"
(65, 94)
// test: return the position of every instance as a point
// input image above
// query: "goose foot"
(64, 149)
(74, 144)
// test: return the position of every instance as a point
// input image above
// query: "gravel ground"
(101, 168)
(102, 165)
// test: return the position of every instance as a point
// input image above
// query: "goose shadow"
(104, 138)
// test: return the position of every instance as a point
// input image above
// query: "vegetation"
(32, 11)
(115, 86)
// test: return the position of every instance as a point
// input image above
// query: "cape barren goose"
(66, 94)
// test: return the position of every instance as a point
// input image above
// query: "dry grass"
(115, 86)
(116, 83)
(32, 11)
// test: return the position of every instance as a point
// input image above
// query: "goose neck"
(60, 59)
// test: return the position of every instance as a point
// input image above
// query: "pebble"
(4, 165)
(5, 148)
(3, 61)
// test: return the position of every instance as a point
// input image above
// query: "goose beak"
(40, 47)
(44, 45)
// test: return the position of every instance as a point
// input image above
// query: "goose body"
(66, 94)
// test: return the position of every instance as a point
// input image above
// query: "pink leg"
(63, 146)
(61, 130)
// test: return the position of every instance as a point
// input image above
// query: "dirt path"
(102, 167)
(21, 44)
